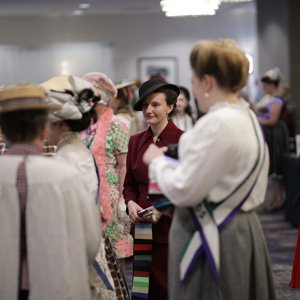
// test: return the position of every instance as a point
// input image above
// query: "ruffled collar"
(68, 137)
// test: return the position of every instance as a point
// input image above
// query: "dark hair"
(23, 126)
(81, 124)
(123, 95)
(171, 97)
(185, 92)
(157, 76)
(268, 80)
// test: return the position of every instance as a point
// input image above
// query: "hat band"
(8, 103)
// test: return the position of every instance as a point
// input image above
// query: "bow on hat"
(72, 93)
(103, 86)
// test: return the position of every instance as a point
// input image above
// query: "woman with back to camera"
(157, 100)
(217, 247)
(77, 99)
(183, 112)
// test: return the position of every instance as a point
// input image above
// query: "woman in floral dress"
(108, 138)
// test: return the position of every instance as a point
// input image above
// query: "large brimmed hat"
(24, 97)
(103, 86)
(73, 94)
(151, 86)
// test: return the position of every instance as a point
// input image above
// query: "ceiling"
(97, 7)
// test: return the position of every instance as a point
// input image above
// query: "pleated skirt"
(245, 270)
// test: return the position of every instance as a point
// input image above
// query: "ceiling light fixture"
(235, 1)
(179, 8)
(174, 8)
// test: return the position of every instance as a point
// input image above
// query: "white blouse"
(184, 122)
(73, 151)
(215, 157)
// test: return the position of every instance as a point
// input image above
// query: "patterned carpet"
(281, 238)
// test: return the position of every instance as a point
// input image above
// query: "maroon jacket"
(136, 179)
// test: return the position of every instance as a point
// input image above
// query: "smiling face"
(156, 109)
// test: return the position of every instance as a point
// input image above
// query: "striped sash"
(210, 219)
(142, 260)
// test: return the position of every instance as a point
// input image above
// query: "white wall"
(35, 64)
(133, 37)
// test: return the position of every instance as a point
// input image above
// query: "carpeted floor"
(281, 238)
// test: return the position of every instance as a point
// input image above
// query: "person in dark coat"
(157, 101)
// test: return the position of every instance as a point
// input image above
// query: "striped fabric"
(121, 288)
(142, 260)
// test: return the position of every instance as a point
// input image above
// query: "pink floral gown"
(107, 139)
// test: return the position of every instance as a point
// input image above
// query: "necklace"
(69, 137)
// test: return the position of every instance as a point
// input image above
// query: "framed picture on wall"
(166, 67)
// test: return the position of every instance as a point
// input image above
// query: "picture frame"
(167, 67)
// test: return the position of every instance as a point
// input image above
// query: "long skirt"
(245, 270)
(277, 138)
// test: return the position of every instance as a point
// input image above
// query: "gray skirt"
(245, 270)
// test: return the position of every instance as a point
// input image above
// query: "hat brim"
(124, 84)
(138, 106)
(10, 107)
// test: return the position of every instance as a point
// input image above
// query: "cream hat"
(74, 94)
(25, 97)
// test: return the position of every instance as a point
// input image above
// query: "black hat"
(151, 86)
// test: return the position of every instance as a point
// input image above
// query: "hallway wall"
(133, 37)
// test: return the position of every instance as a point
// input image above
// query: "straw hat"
(24, 97)
(121, 85)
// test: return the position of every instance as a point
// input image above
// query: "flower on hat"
(72, 93)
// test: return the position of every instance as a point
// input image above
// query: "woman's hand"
(133, 209)
(154, 216)
(153, 152)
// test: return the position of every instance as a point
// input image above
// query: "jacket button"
(148, 197)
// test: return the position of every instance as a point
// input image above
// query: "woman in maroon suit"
(157, 101)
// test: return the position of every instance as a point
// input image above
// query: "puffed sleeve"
(205, 158)
(120, 137)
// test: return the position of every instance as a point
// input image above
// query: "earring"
(206, 95)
